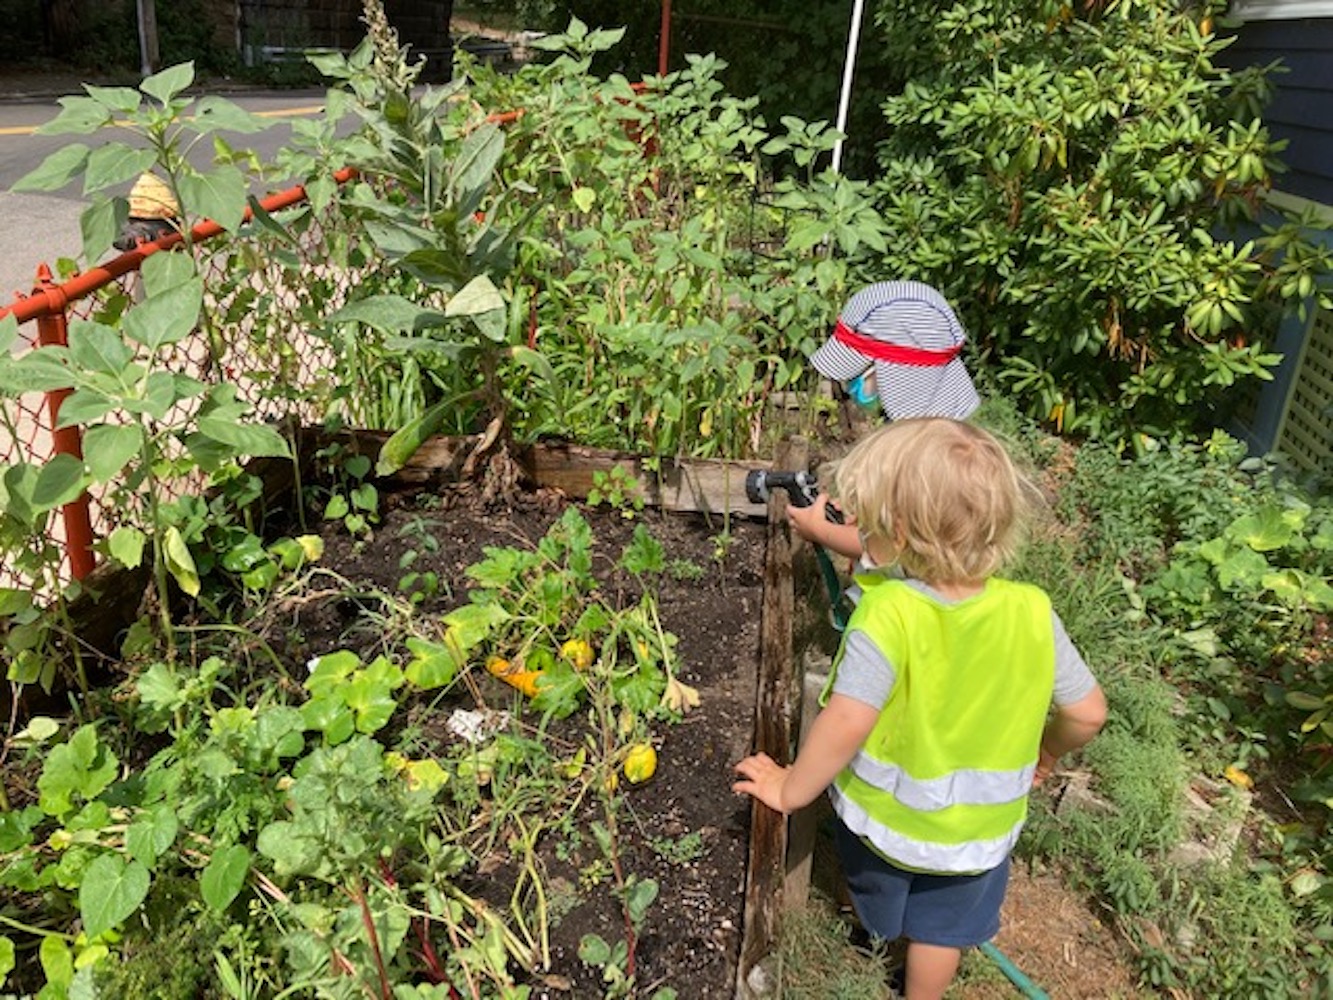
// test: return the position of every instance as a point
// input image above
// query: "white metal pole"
(148, 51)
(848, 68)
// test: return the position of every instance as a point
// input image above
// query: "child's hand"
(763, 778)
(809, 522)
(1045, 767)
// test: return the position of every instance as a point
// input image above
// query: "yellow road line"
(313, 109)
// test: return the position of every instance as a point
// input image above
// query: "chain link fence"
(267, 292)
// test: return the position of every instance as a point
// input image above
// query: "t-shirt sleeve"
(862, 671)
(1073, 679)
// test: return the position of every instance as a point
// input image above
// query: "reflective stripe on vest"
(965, 858)
(941, 783)
(967, 786)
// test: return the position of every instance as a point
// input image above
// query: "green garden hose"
(838, 606)
(1025, 985)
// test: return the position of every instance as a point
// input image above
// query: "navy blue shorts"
(952, 911)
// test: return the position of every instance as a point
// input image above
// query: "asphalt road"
(38, 228)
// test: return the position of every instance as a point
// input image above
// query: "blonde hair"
(943, 495)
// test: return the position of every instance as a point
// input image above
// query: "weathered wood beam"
(777, 709)
(706, 486)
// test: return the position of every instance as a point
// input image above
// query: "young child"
(898, 341)
(934, 724)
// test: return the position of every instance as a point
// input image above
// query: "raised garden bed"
(724, 594)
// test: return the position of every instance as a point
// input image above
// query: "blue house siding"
(1302, 109)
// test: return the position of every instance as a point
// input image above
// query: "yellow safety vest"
(942, 782)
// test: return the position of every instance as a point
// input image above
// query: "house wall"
(1302, 109)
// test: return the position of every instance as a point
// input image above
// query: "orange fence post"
(52, 330)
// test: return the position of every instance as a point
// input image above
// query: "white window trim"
(1280, 10)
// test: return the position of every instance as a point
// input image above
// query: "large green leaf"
(492, 325)
(126, 545)
(110, 892)
(84, 406)
(162, 271)
(57, 962)
(108, 447)
(469, 625)
(218, 113)
(474, 167)
(100, 224)
(97, 348)
(180, 564)
(255, 440)
(38, 371)
(478, 296)
(432, 664)
(149, 836)
(404, 442)
(56, 170)
(169, 82)
(218, 195)
(81, 766)
(224, 876)
(19, 480)
(534, 361)
(61, 480)
(78, 116)
(6, 959)
(121, 100)
(166, 317)
(1266, 530)
(115, 163)
(387, 313)
(290, 848)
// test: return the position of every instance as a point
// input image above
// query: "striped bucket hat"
(910, 334)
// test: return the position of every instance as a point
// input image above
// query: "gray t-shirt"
(864, 673)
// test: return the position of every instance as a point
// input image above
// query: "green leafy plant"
(143, 422)
(618, 489)
(617, 961)
(436, 225)
(351, 498)
(1101, 243)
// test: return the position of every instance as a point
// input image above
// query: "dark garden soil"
(692, 935)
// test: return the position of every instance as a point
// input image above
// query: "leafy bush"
(1196, 581)
(1068, 175)
(786, 55)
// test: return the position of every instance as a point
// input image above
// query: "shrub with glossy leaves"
(1084, 180)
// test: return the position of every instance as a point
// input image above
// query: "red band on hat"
(882, 350)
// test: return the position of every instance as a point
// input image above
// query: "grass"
(820, 963)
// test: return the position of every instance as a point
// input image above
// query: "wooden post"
(777, 708)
